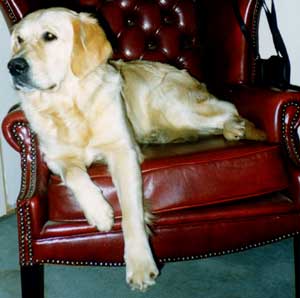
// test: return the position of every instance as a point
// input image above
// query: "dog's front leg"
(96, 209)
(141, 269)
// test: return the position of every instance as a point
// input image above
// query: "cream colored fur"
(85, 109)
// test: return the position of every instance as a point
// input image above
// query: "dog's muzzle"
(21, 76)
(19, 70)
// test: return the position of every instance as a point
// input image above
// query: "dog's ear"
(90, 45)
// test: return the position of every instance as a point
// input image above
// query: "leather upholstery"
(181, 235)
(212, 175)
(212, 197)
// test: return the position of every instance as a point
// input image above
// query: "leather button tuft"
(186, 42)
(130, 21)
(151, 45)
(168, 18)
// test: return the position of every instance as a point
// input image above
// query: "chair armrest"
(276, 112)
(34, 171)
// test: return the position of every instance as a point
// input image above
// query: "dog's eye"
(48, 36)
(20, 39)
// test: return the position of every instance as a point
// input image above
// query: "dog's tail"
(253, 133)
(149, 218)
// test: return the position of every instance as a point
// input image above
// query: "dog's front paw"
(99, 214)
(141, 272)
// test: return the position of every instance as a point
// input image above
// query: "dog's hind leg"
(237, 128)
(224, 115)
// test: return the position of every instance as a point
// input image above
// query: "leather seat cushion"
(186, 176)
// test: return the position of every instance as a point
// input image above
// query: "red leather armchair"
(211, 197)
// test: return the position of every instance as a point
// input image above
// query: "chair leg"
(32, 281)
(297, 264)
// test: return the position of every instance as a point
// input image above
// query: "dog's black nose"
(18, 66)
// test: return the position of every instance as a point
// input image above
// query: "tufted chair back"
(162, 31)
(184, 33)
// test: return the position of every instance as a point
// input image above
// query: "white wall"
(8, 97)
(288, 16)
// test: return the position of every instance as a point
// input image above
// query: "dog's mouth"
(22, 77)
(23, 84)
(26, 85)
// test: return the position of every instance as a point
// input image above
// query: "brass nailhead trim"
(294, 151)
(254, 36)
(173, 259)
(32, 182)
(33, 170)
(80, 263)
(22, 236)
(10, 11)
(24, 214)
(229, 251)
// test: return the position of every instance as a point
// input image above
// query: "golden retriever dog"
(86, 108)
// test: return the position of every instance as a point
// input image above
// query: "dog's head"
(49, 44)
